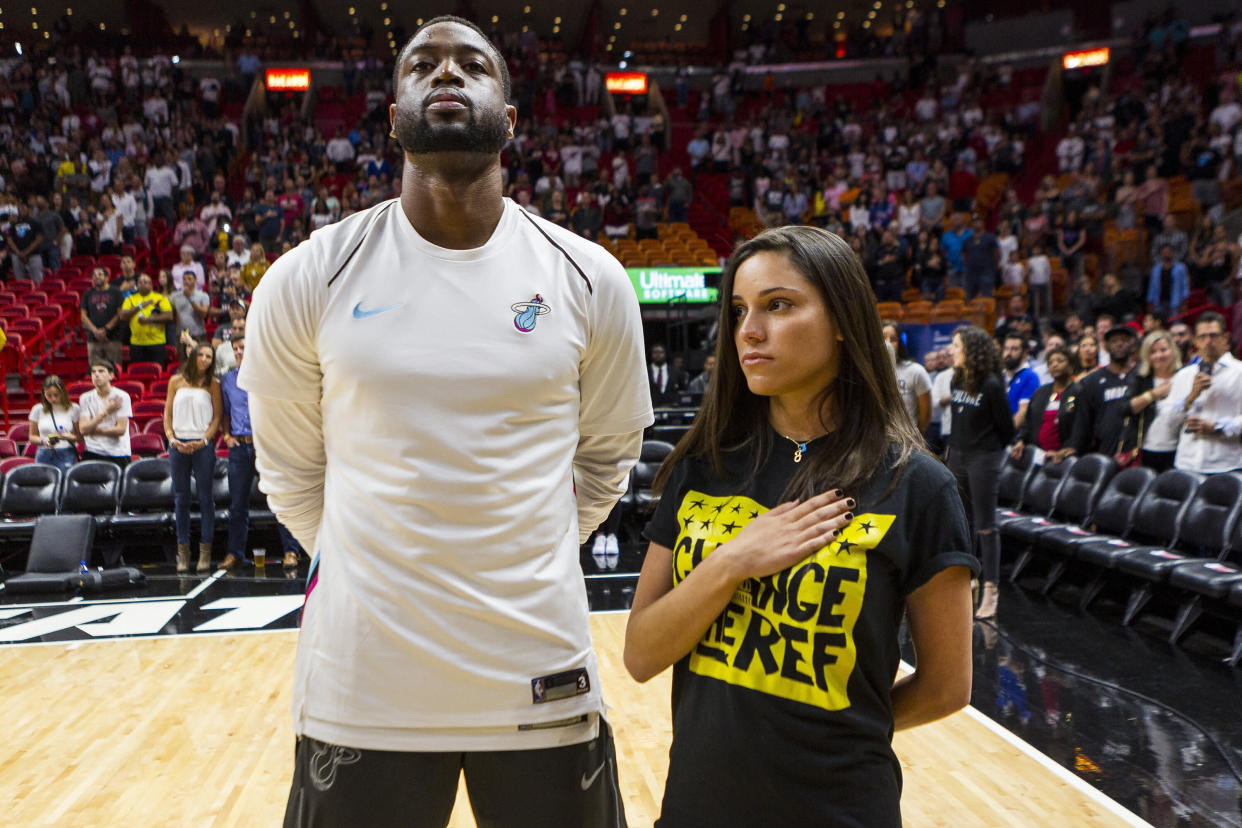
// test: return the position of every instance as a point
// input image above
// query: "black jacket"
(1029, 433)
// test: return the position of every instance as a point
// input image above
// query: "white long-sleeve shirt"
(1220, 404)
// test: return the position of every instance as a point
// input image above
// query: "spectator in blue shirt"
(981, 258)
(1169, 284)
(240, 440)
(1020, 381)
(952, 242)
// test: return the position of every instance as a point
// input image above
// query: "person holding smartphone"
(54, 425)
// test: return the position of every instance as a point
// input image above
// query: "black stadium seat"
(146, 497)
(92, 488)
(1207, 581)
(1110, 522)
(29, 491)
(1155, 523)
(1075, 503)
(1037, 504)
(1014, 476)
(1201, 534)
(639, 498)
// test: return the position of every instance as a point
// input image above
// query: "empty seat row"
(1177, 534)
(130, 502)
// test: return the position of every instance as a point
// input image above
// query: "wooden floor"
(195, 730)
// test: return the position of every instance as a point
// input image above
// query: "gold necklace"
(800, 447)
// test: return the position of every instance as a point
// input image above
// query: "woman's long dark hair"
(870, 417)
(982, 359)
(189, 369)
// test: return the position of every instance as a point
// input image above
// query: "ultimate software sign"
(656, 285)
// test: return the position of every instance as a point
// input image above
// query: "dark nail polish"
(834, 533)
(849, 516)
(838, 493)
(851, 503)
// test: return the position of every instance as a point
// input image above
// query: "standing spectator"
(101, 318)
(240, 441)
(1070, 151)
(913, 381)
(666, 381)
(51, 228)
(931, 209)
(1169, 283)
(888, 271)
(942, 399)
(255, 266)
(24, 239)
(1153, 197)
(1020, 381)
(270, 220)
(1174, 237)
(680, 193)
(161, 182)
(982, 427)
(187, 265)
(104, 415)
(646, 215)
(1071, 238)
(952, 242)
(1086, 355)
(1209, 397)
(191, 306)
(931, 268)
(980, 260)
(1049, 423)
(1156, 420)
(340, 152)
(698, 385)
(1013, 274)
(192, 412)
(587, 220)
(54, 426)
(192, 232)
(239, 252)
(147, 312)
(698, 150)
(1104, 403)
(216, 215)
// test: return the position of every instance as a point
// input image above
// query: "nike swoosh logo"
(359, 313)
(588, 781)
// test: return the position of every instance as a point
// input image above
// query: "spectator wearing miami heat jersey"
(446, 627)
(792, 698)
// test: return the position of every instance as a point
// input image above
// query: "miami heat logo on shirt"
(528, 312)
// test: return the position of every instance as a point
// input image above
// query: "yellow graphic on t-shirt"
(790, 634)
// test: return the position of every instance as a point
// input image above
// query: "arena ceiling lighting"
(1085, 58)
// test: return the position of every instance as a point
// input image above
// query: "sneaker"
(291, 559)
(612, 551)
(598, 552)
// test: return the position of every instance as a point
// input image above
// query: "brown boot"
(231, 562)
(204, 557)
(183, 557)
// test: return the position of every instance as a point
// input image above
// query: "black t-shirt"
(1103, 406)
(982, 421)
(101, 306)
(782, 714)
(23, 231)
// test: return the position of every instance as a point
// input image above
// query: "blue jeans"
(241, 478)
(200, 463)
(61, 458)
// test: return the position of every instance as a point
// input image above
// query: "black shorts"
(574, 786)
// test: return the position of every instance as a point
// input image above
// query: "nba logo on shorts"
(538, 690)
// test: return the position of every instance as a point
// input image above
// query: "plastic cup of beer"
(260, 557)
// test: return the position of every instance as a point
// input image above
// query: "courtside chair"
(1202, 539)
(92, 487)
(1038, 501)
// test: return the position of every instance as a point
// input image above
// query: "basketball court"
(171, 707)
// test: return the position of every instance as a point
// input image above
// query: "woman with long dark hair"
(982, 427)
(192, 413)
(54, 426)
(799, 518)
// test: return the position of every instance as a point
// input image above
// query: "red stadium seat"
(134, 388)
(143, 371)
(8, 448)
(146, 444)
(9, 463)
(20, 432)
(149, 408)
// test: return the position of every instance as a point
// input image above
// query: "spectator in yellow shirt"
(253, 270)
(147, 312)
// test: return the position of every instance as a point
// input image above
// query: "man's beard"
(1013, 364)
(485, 132)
